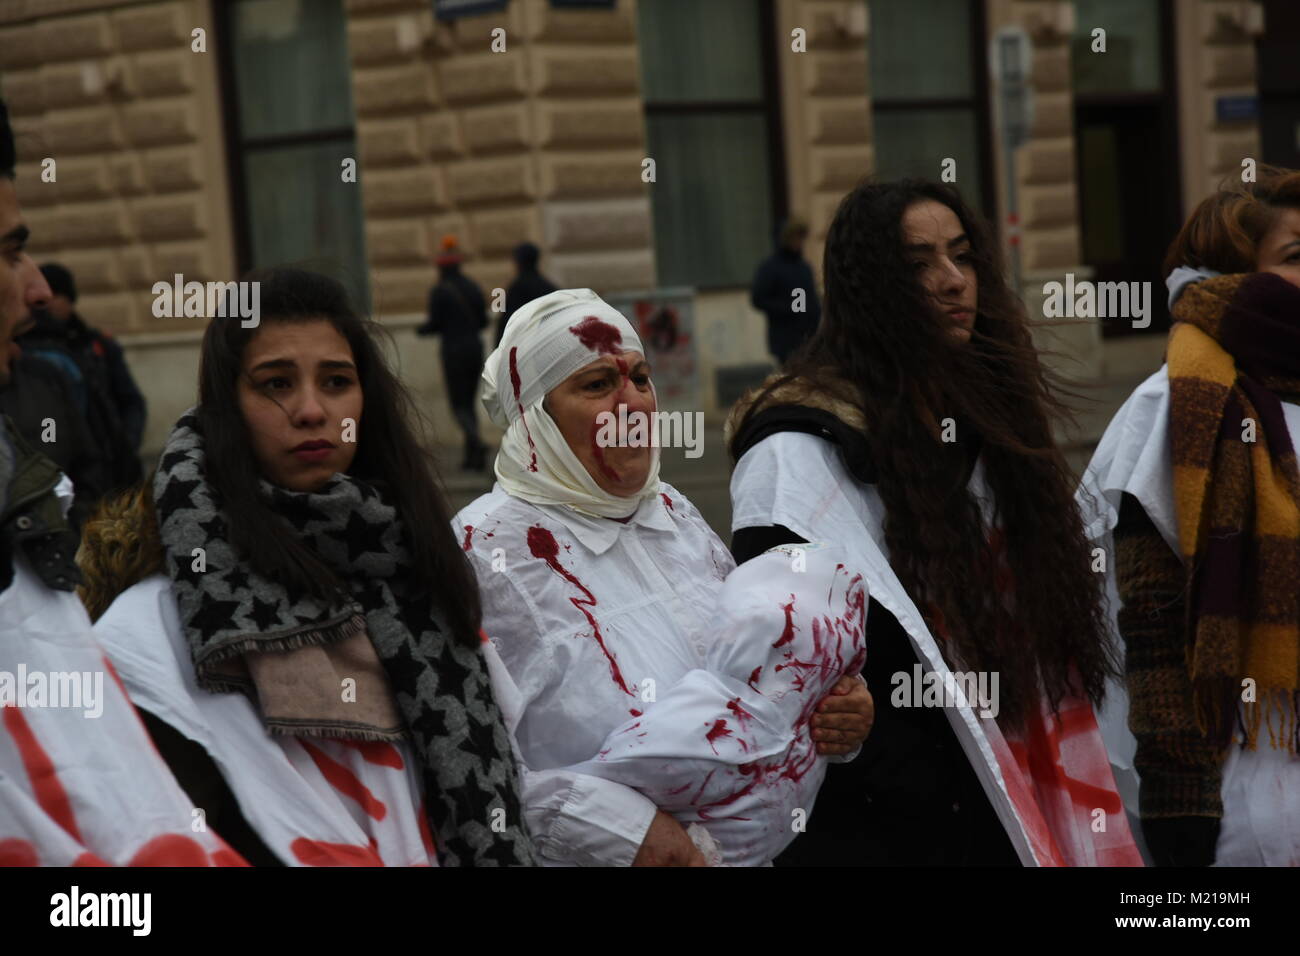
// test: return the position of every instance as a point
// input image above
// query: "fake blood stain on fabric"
(828, 652)
(168, 849)
(716, 732)
(601, 337)
(46, 787)
(320, 853)
(378, 752)
(787, 635)
(17, 852)
(543, 545)
(515, 384)
(345, 781)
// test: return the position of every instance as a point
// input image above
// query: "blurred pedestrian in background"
(791, 318)
(458, 312)
(529, 283)
(110, 402)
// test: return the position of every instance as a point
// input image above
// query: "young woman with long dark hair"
(916, 427)
(294, 547)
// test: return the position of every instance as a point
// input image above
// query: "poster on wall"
(665, 321)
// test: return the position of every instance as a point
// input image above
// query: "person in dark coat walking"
(458, 312)
(93, 362)
(529, 284)
(791, 319)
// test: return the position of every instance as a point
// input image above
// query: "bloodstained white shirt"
(592, 618)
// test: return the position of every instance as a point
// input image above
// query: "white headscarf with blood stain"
(545, 342)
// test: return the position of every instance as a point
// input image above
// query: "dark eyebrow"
(927, 247)
(18, 235)
(290, 363)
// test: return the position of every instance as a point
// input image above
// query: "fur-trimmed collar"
(797, 391)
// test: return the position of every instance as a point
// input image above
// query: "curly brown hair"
(119, 547)
(883, 346)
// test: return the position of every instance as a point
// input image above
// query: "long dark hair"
(389, 456)
(884, 346)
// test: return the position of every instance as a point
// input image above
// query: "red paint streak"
(170, 849)
(739, 711)
(730, 799)
(227, 857)
(634, 712)
(469, 533)
(825, 660)
(318, 853)
(18, 853)
(600, 454)
(600, 337)
(1044, 759)
(717, 731)
(630, 727)
(49, 792)
(514, 383)
(677, 790)
(89, 859)
(708, 777)
(667, 501)
(787, 635)
(754, 676)
(345, 781)
(542, 544)
(425, 836)
(378, 752)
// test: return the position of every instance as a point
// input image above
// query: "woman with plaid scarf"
(1197, 482)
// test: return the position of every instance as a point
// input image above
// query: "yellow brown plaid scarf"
(1234, 353)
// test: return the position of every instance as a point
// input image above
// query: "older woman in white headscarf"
(599, 584)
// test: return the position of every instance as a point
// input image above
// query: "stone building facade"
(544, 140)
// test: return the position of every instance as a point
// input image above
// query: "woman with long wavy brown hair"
(917, 425)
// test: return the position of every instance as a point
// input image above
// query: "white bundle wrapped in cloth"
(729, 746)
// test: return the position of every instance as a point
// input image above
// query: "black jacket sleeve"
(750, 542)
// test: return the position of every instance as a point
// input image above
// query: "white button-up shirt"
(590, 617)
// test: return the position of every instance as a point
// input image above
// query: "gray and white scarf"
(440, 685)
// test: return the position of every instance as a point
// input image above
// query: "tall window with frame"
(1126, 136)
(708, 78)
(289, 127)
(929, 93)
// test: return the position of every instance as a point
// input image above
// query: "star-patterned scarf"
(441, 686)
